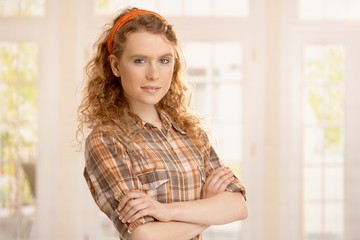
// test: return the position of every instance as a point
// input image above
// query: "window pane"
(109, 7)
(146, 4)
(198, 7)
(313, 144)
(335, 9)
(333, 113)
(23, 8)
(354, 10)
(313, 184)
(334, 145)
(227, 59)
(324, 102)
(323, 105)
(323, 131)
(334, 187)
(18, 126)
(313, 221)
(334, 221)
(106, 7)
(202, 100)
(324, 79)
(314, 105)
(171, 8)
(228, 104)
(329, 10)
(214, 61)
(223, 8)
(199, 61)
(311, 9)
(231, 8)
(228, 141)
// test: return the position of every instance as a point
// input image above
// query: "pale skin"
(185, 220)
(146, 68)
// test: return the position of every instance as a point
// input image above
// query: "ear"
(115, 65)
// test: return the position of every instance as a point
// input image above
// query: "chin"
(153, 101)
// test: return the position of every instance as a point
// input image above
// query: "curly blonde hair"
(103, 100)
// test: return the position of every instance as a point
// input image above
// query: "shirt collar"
(168, 123)
(136, 123)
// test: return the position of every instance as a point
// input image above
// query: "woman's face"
(146, 68)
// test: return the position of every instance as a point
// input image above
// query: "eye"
(164, 61)
(139, 61)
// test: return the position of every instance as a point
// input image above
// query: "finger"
(225, 184)
(223, 180)
(133, 210)
(144, 212)
(216, 171)
(219, 172)
(129, 205)
(225, 177)
(131, 195)
(216, 175)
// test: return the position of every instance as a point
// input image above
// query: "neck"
(148, 115)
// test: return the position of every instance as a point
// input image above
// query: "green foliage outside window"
(323, 171)
(22, 8)
(325, 93)
(18, 121)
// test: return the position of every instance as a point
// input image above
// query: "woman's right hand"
(137, 204)
(217, 182)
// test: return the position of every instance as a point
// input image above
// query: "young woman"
(149, 164)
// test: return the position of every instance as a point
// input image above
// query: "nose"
(153, 71)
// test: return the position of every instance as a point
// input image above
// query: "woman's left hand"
(217, 182)
(136, 204)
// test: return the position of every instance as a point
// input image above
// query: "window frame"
(297, 34)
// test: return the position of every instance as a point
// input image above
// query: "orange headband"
(123, 20)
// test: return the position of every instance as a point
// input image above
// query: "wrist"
(172, 211)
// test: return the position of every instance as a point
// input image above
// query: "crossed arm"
(107, 162)
(185, 220)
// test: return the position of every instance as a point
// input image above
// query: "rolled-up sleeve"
(108, 172)
(212, 161)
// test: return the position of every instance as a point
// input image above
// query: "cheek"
(126, 83)
(169, 73)
(169, 83)
(128, 77)
(126, 86)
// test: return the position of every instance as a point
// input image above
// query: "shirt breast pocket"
(154, 183)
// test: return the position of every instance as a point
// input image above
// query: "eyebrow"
(144, 56)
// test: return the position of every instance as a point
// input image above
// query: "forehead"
(146, 43)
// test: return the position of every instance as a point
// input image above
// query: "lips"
(151, 89)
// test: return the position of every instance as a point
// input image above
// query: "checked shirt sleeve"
(212, 161)
(108, 171)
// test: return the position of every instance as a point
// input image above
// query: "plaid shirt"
(165, 164)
